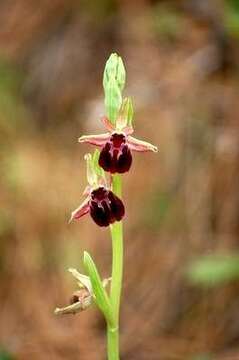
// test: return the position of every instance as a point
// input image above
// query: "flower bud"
(113, 82)
(114, 68)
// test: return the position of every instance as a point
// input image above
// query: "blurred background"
(181, 288)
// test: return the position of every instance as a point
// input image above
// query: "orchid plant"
(103, 202)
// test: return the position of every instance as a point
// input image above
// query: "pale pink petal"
(139, 145)
(98, 140)
(82, 210)
(109, 126)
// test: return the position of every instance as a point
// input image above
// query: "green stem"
(117, 273)
(117, 267)
(112, 343)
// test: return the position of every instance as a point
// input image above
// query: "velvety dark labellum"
(115, 156)
(116, 205)
(105, 207)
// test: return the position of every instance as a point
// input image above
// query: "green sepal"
(95, 160)
(126, 114)
(95, 174)
(90, 171)
(100, 296)
(83, 280)
(114, 68)
(129, 110)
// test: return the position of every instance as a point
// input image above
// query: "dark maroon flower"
(103, 205)
(116, 146)
(115, 156)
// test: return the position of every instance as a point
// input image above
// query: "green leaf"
(5, 355)
(231, 22)
(202, 357)
(214, 270)
(113, 99)
(101, 298)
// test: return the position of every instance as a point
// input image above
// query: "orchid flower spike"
(117, 143)
(101, 203)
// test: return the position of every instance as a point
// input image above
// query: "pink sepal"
(87, 191)
(82, 210)
(139, 145)
(98, 140)
(109, 126)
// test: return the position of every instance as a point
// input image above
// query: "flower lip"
(105, 207)
(115, 156)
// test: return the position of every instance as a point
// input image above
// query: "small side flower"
(80, 299)
(101, 203)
